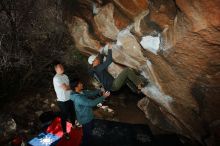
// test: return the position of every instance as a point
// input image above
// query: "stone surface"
(162, 12)
(79, 31)
(186, 67)
(139, 27)
(105, 22)
(201, 14)
(132, 8)
(8, 126)
(128, 51)
(22, 117)
(157, 116)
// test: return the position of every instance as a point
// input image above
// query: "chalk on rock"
(151, 43)
(123, 33)
(95, 8)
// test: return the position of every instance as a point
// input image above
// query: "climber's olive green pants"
(126, 74)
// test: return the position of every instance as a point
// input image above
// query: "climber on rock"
(62, 89)
(83, 107)
(99, 70)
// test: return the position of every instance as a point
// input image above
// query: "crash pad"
(53, 135)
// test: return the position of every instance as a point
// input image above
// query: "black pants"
(67, 111)
(87, 133)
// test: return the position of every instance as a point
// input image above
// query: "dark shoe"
(78, 125)
(144, 81)
(143, 84)
(67, 136)
(141, 95)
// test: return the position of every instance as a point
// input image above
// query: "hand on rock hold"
(109, 46)
(104, 50)
(101, 50)
(106, 94)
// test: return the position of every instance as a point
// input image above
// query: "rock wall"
(182, 96)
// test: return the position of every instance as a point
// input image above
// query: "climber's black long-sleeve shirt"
(102, 73)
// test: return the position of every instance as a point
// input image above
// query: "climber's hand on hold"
(109, 46)
(101, 50)
(106, 94)
(105, 49)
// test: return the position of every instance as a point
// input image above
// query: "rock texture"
(128, 50)
(133, 8)
(201, 14)
(83, 40)
(182, 96)
(105, 22)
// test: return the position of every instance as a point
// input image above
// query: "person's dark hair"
(55, 63)
(74, 83)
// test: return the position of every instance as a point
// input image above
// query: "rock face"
(201, 14)
(183, 73)
(105, 22)
(133, 8)
(128, 50)
(79, 31)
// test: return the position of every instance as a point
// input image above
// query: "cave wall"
(184, 71)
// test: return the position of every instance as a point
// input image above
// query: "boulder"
(109, 21)
(201, 14)
(115, 69)
(163, 12)
(128, 51)
(183, 72)
(158, 116)
(132, 8)
(84, 41)
(105, 22)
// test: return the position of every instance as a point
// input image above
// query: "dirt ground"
(25, 109)
(125, 110)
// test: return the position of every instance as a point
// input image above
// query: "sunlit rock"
(183, 71)
(151, 43)
(79, 30)
(128, 51)
(115, 69)
(105, 22)
(139, 30)
(158, 116)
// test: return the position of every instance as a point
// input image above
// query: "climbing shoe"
(78, 125)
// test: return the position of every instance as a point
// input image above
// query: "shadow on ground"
(110, 133)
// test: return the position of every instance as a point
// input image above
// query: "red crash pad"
(75, 134)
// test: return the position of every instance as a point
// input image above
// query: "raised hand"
(106, 94)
